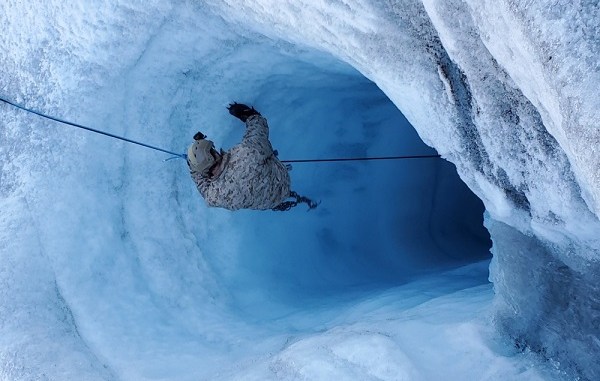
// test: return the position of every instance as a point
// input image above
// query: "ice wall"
(506, 91)
(103, 247)
(113, 268)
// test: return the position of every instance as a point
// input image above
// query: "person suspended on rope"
(249, 175)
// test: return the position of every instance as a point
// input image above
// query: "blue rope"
(184, 156)
(362, 159)
(175, 155)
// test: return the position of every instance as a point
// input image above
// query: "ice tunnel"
(114, 268)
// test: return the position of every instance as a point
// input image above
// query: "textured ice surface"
(507, 91)
(113, 268)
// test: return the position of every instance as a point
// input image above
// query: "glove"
(199, 136)
(241, 111)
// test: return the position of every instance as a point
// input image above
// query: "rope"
(175, 155)
(184, 156)
(362, 159)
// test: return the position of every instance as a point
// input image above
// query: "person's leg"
(311, 204)
(287, 205)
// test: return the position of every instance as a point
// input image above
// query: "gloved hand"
(241, 111)
(199, 136)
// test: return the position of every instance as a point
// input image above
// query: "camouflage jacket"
(251, 177)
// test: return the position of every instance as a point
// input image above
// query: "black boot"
(287, 205)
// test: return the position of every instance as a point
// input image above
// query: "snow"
(402, 334)
(113, 268)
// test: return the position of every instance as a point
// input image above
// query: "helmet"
(199, 156)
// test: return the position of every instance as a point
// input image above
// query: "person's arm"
(257, 134)
(257, 129)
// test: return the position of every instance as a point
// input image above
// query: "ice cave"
(482, 264)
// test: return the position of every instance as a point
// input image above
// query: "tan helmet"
(199, 156)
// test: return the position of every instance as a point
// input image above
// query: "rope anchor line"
(184, 156)
(362, 159)
(175, 155)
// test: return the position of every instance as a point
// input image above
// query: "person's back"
(248, 176)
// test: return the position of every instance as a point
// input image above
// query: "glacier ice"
(112, 267)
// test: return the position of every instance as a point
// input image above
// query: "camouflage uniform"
(252, 177)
